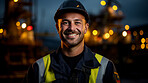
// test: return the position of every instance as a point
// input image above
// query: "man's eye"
(77, 23)
(65, 23)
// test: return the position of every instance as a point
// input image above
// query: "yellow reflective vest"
(49, 76)
(45, 69)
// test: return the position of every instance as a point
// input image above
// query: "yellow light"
(18, 23)
(24, 25)
(124, 33)
(146, 46)
(1, 30)
(142, 46)
(141, 32)
(103, 3)
(111, 32)
(115, 7)
(15, 0)
(135, 33)
(95, 32)
(133, 47)
(146, 40)
(106, 36)
(127, 27)
(142, 40)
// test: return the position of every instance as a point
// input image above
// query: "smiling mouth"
(71, 36)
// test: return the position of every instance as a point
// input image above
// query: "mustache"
(69, 31)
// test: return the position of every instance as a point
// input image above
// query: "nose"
(72, 26)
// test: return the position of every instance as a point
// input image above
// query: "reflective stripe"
(41, 70)
(49, 75)
(102, 70)
(94, 74)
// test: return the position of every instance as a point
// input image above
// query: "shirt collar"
(88, 60)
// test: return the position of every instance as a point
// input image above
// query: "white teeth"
(72, 34)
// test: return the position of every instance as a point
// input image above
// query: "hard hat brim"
(70, 9)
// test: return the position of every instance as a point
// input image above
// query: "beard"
(71, 42)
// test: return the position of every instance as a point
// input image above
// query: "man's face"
(71, 28)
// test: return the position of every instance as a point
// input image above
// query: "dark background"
(19, 48)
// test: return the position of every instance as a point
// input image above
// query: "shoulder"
(111, 75)
(101, 58)
(105, 62)
(108, 70)
(43, 59)
(46, 57)
(41, 63)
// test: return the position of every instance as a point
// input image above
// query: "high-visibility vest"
(48, 76)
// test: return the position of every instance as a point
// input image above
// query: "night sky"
(135, 11)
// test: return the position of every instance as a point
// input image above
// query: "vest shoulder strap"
(41, 69)
(94, 72)
(102, 70)
(45, 75)
(98, 73)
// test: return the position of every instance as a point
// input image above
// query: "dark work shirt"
(72, 61)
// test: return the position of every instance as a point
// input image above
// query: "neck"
(72, 51)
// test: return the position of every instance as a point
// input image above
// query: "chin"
(74, 43)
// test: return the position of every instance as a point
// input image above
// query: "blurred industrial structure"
(106, 27)
(18, 46)
(125, 45)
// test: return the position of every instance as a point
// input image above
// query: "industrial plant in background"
(121, 43)
(18, 21)
(106, 28)
(18, 46)
(125, 45)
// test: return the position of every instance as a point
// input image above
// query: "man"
(72, 62)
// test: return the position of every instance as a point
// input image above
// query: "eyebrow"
(65, 20)
(74, 20)
(78, 20)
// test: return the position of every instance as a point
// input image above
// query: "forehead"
(72, 16)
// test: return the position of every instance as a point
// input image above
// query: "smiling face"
(71, 28)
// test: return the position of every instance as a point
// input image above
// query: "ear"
(86, 28)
